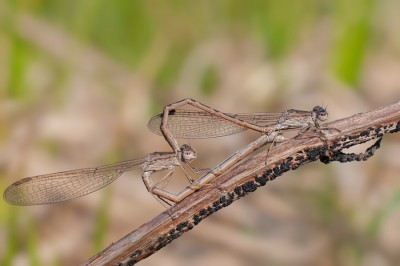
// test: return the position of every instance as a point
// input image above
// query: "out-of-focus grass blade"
(353, 30)
(12, 229)
(280, 23)
(102, 221)
(17, 61)
(33, 244)
(209, 82)
(392, 205)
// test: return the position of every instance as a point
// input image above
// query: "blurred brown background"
(80, 79)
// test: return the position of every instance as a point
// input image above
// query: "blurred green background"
(80, 79)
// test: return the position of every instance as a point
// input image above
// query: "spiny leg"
(318, 130)
(152, 187)
(154, 190)
(164, 180)
(195, 170)
(163, 194)
(189, 178)
(276, 139)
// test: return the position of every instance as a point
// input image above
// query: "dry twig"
(247, 176)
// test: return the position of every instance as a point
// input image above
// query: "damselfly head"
(320, 113)
(188, 153)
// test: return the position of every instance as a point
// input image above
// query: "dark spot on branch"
(260, 179)
(181, 226)
(238, 191)
(197, 219)
(249, 186)
(202, 212)
(364, 133)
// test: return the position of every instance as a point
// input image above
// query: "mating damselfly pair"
(174, 122)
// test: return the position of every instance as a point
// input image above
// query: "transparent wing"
(199, 124)
(56, 187)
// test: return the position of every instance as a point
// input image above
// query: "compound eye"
(318, 109)
(189, 155)
(320, 112)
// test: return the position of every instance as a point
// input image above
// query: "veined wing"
(62, 186)
(199, 124)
